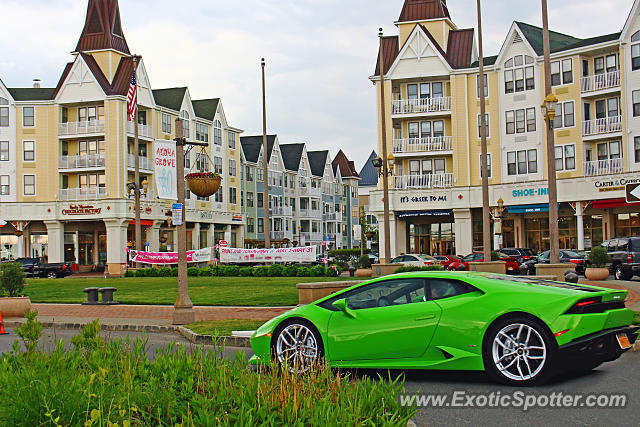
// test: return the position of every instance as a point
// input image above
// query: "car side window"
(623, 245)
(387, 293)
(445, 288)
(397, 260)
(611, 245)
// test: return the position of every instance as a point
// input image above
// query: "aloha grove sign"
(201, 255)
(81, 210)
(303, 254)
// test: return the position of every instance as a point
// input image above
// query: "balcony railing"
(81, 128)
(311, 236)
(332, 216)
(603, 167)
(81, 162)
(423, 145)
(278, 235)
(421, 105)
(600, 82)
(89, 193)
(309, 213)
(602, 126)
(281, 211)
(143, 130)
(436, 180)
(145, 162)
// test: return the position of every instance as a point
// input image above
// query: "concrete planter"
(597, 274)
(14, 306)
(384, 269)
(557, 270)
(498, 267)
(310, 292)
(364, 272)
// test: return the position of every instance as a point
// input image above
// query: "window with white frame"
(260, 225)
(636, 102)
(4, 151)
(202, 132)
(232, 167)
(187, 160)
(4, 185)
(520, 121)
(218, 197)
(251, 225)
(522, 162)
(425, 129)
(4, 112)
(166, 123)
(250, 199)
(249, 173)
(217, 165)
(427, 167)
(636, 148)
(488, 165)
(28, 117)
(565, 115)
(562, 72)
(519, 74)
(186, 132)
(28, 151)
(635, 51)
(233, 195)
(565, 157)
(231, 140)
(609, 150)
(486, 86)
(29, 185)
(217, 132)
(425, 90)
(202, 162)
(486, 118)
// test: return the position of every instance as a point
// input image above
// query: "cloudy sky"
(319, 53)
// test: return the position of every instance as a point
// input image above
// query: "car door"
(412, 260)
(390, 319)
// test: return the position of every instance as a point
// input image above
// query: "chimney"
(36, 83)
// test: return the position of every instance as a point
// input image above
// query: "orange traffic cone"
(2, 332)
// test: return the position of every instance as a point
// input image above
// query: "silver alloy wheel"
(519, 352)
(619, 273)
(297, 348)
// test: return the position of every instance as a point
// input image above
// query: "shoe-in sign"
(633, 193)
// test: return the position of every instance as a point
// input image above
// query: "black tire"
(284, 326)
(52, 275)
(541, 373)
(620, 274)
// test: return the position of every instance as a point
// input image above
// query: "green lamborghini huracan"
(519, 330)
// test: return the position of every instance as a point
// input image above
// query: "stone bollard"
(107, 295)
(92, 296)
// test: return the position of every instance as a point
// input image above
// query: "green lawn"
(223, 328)
(225, 291)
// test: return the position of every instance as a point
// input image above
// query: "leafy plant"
(495, 255)
(165, 272)
(409, 268)
(261, 271)
(290, 271)
(364, 261)
(246, 271)
(31, 331)
(12, 278)
(332, 271)
(193, 271)
(598, 257)
(275, 270)
(232, 270)
(88, 339)
(303, 272)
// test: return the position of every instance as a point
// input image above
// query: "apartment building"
(67, 158)
(432, 127)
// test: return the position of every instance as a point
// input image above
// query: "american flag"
(132, 98)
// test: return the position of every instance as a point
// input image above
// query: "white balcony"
(603, 167)
(309, 213)
(332, 216)
(605, 126)
(144, 131)
(435, 145)
(600, 82)
(311, 236)
(421, 105)
(87, 161)
(146, 164)
(93, 127)
(79, 194)
(281, 211)
(281, 235)
(436, 180)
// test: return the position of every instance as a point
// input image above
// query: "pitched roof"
(97, 72)
(422, 10)
(251, 146)
(390, 49)
(594, 40)
(317, 161)
(460, 48)
(347, 167)
(31, 93)
(206, 108)
(557, 41)
(368, 173)
(63, 77)
(102, 28)
(291, 155)
(122, 78)
(170, 98)
(488, 60)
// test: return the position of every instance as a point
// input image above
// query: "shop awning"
(611, 203)
(542, 207)
(434, 212)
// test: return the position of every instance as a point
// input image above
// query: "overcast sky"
(319, 53)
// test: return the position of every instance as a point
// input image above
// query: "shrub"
(598, 257)
(205, 272)
(141, 272)
(165, 272)
(31, 331)
(246, 271)
(317, 271)
(495, 255)
(332, 271)
(261, 271)
(290, 271)
(364, 261)
(129, 273)
(193, 271)
(303, 272)
(88, 339)
(232, 270)
(409, 268)
(153, 272)
(174, 271)
(275, 270)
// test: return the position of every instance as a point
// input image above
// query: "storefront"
(429, 232)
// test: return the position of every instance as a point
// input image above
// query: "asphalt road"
(619, 377)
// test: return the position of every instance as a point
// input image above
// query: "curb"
(194, 338)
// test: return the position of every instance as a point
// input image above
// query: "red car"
(511, 265)
(446, 260)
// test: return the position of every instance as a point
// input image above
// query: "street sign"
(176, 214)
(633, 193)
(223, 243)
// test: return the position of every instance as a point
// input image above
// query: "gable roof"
(97, 72)
(170, 98)
(291, 156)
(102, 28)
(557, 41)
(368, 173)
(251, 146)
(460, 47)
(31, 93)
(422, 10)
(594, 40)
(317, 161)
(488, 60)
(347, 167)
(206, 108)
(389, 49)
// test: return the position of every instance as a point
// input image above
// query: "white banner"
(301, 254)
(165, 169)
(201, 255)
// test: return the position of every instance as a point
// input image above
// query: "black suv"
(624, 255)
(521, 255)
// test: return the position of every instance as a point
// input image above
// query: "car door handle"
(427, 317)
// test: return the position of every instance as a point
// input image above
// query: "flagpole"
(136, 145)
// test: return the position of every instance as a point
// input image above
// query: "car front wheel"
(620, 274)
(298, 346)
(518, 351)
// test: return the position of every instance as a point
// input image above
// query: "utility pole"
(486, 219)
(385, 166)
(265, 164)
(554, 243)
(136, 147)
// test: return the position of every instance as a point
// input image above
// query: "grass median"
(222, 291)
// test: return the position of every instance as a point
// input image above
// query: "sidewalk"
(633, 299)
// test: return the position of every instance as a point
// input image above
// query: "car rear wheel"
(620, 274)
(518, 351)
(52, 275)
(297, 346)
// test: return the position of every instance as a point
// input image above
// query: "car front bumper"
(593, 349)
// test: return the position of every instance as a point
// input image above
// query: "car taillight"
(576, 261)
(64, 266)
(428, 263)
(526, 257)
(630, 258)
(590, 305)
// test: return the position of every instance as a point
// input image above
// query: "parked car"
(564, 256)
(511, 265)
(624, 255)
(34, 268)
(520, 254)
(374, 258)
(446, 260)
(414, 260)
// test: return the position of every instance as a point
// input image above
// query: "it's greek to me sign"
(303, 254)
(165, 169)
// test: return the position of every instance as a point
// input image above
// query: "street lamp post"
(136, 147)
(486, 219)
(265, 165)
(385, 169)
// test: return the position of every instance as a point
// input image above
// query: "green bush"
(332, 272)
(153, 272)
(246, 271)
(192, 271)
(129, 273)
(88, 339)
(290, 271)
(261, 271)
(303, 272)
(174, 271)
(495, 255)
(598, 257)
(141, 272)
(317, 271)
(12, 278)
(364, 261)
(232, 271)
(205, 272)
(31, 331)
(275, 270)
(409, 268)
(165, 272)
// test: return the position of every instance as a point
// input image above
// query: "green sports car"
(518, 330)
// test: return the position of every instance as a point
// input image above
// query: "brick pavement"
(632, 299)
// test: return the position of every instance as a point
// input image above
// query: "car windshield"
(426, 257)
(528, 252)
(511, 251)
(441, 258)
(468, 258)
(572, 254)
(635, 245)
(544, 255)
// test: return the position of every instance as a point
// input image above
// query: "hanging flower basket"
(203, 184)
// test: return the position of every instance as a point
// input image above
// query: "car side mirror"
(342, 305)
